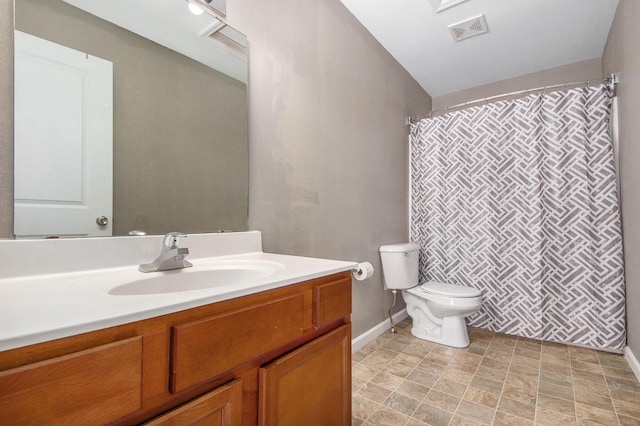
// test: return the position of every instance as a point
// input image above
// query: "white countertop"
(42, 307)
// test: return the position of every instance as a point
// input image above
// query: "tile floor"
(497, 380)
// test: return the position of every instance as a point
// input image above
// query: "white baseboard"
(371, 334)
(633, 361)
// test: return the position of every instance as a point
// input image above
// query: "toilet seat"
(448, 290)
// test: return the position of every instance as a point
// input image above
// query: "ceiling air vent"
(469, 28)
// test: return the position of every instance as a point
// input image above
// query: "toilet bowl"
(438, 310)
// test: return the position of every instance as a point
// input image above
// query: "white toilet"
(437, 309)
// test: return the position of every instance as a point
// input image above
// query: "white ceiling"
(170, 24)
(524, 36)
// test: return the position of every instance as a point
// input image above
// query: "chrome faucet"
(171, 256)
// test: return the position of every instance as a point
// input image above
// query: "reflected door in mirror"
(63, 131)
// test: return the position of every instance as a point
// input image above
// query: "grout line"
(606, 383)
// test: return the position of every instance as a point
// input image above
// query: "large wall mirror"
(139, 103)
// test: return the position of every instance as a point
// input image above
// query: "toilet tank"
(400, 265)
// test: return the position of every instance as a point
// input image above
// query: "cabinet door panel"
(220, 407)
(94, 386)
(310, 385)
(331, 301)
(203, 349)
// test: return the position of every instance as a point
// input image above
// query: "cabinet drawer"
(203, 349)
(222, 406)
(94, 386)
(331, 301)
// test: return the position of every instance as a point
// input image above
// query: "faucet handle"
(172, 240)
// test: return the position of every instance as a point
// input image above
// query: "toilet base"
(452, 332)
(440, 323)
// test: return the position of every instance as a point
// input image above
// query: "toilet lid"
(451, 290)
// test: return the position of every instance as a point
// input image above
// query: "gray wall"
(579, 71)
(6, 118)
(622, 55)
(328, 143)
(180, 127)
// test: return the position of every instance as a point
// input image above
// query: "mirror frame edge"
(6, 118)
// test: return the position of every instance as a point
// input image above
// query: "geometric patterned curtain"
(518, 199)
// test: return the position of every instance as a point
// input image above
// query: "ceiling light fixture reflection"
(195, 9)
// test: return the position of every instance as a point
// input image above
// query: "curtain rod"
(612, 79)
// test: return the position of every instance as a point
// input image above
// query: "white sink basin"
(206, 275)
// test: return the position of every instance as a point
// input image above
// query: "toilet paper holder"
(363, 271)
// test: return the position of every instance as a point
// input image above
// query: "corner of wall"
(6, 118)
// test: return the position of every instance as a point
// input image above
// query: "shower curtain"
(518, 199)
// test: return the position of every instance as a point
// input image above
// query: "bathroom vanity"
(277, 353)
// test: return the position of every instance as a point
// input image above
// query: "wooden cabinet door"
(310, 385)
(220, 407)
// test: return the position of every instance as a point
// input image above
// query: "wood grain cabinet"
(219, 407)
(310, 385)
(278, 357)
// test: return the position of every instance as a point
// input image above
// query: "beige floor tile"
(506, 419)
(450, 387)
(463, 421)
(494, 363)
(556, 379)
(555, 390)
(448, 351)
(423, 377)
(626, 408)
(613, 361)
(408, 360)
(437, 358)
(529, 383)
(412, 390)
(475, 412)
(553, 418)
(374, 392)
(401, 403)
(527, 353)
(498, 355)
(475, 349)
(387, 417)
(398, 369)
(592, 394)
(501, 346)
(555, 404)
(518, 394)
(594, 414)
(586, 366)
(451, 373)
(395, 346)
(630, 385)
(616, 372)
(415, 350)
(491, 373)
(527, 369)
(387, 380)
(521, 361)
(432, 415)
(499, 379)
(628, 421)
(517, 408)
(362, 407)
(431, 367)
(356, 384)
(442, 400)
(482, 397)
(414, 422)
(364, 372)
